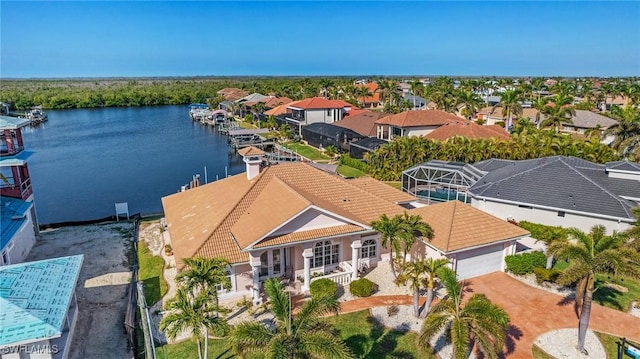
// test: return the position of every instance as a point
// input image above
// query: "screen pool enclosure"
(441, 181)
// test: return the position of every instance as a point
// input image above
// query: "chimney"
(252, 157)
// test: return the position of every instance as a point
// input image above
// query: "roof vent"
(346, 200)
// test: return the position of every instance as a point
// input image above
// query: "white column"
(255, 269)
(355, 246)
(307, 254)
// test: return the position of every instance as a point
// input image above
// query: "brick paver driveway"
(534, 312)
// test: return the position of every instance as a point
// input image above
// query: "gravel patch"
(530, 279)
(635, 309)
(562, 344)
(102, 285)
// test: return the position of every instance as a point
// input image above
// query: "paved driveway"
(534, 312)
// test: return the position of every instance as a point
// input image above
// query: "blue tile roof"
(17, 160)
(35, 297)
(13, 215)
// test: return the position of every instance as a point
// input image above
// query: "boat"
(36, 116)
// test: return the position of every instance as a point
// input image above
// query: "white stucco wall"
(309, 220)
(547, 217)
(22, 242)
(323, 115)
(419, 131)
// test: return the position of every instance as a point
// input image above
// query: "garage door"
(479, 261)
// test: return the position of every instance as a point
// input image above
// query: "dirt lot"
(102, 286)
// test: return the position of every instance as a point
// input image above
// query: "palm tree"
(197, 315)
(588, 255)
(204, 275)
(412, 227)
(390, 230)
(510, 102)
(417, 88)
(478, 319)
(431, 269)
(413, 273)
(471, 102)
(558, 112)
(539, 104)
(626, 132)
(304, 335)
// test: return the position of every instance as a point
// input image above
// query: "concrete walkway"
(533, 311)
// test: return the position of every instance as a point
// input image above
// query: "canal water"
(86, 160)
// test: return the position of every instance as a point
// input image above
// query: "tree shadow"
(570, 299)
(513, 334)
(607, 295)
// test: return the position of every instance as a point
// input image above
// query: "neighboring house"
(492, 115)
(270, 102)
(19, 222)
(420, 102)
(609, 102)
(232, 93)
(314, 110)
(584, 121)
(413, 123)
(372, 101)
(469, 130)
(38, 308)
(475, 242)
(252, 98)
(298, 222)
(559, 191)
(363, 123)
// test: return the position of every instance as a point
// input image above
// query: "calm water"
(88, 159)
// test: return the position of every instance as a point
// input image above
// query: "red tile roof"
(315, 103)
(418, 118)
(467, 129)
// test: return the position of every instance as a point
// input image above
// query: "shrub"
(362, 287)
(541, 231)
(354, 162)
(322, 287)
(546, 275)
(525, 263)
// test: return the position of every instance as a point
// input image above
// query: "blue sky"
(99, 39)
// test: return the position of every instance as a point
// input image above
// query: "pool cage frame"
(441, 181)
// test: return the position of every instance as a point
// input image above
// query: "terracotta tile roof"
(201, 220)
(272, 207)
(232, 93)
(418, 118)
(315, 103)
(278, 110)
(274, 101)
(382, 190)
(457, 226)
(467, 129)
(363, 123)
(372, 87)
(194, 214)
(295, 237)
(251, 151)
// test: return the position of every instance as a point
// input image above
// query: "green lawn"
(540, 354)
(306, 151)
(610, 297)
(365, 338)
(610, 346)
(150, 273)
(350, 172)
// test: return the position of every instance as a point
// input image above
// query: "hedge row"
(521, 264)
(355, 163)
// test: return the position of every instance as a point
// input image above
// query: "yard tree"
(304, 335)
(197, 315)
(477, 319)
(204, 275)
(589, 254)
(432, 268)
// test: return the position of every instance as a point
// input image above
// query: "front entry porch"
(299, 265)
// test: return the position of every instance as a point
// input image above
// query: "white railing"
(341, 278)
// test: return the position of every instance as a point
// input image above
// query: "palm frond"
(278, 298)
(432, 325)
(326, 345)
(460, 339)
(249, 337)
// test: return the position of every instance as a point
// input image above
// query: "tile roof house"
(363, 123)
(372, 101)
(559, 191)
(314, 110)
(413, 123)
(38, 307)
(587, 120)
(475, 242)
(469, 130)
(232, 93)
(288, 220)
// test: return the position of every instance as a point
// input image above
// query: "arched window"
(325, 253)
(368, 249)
